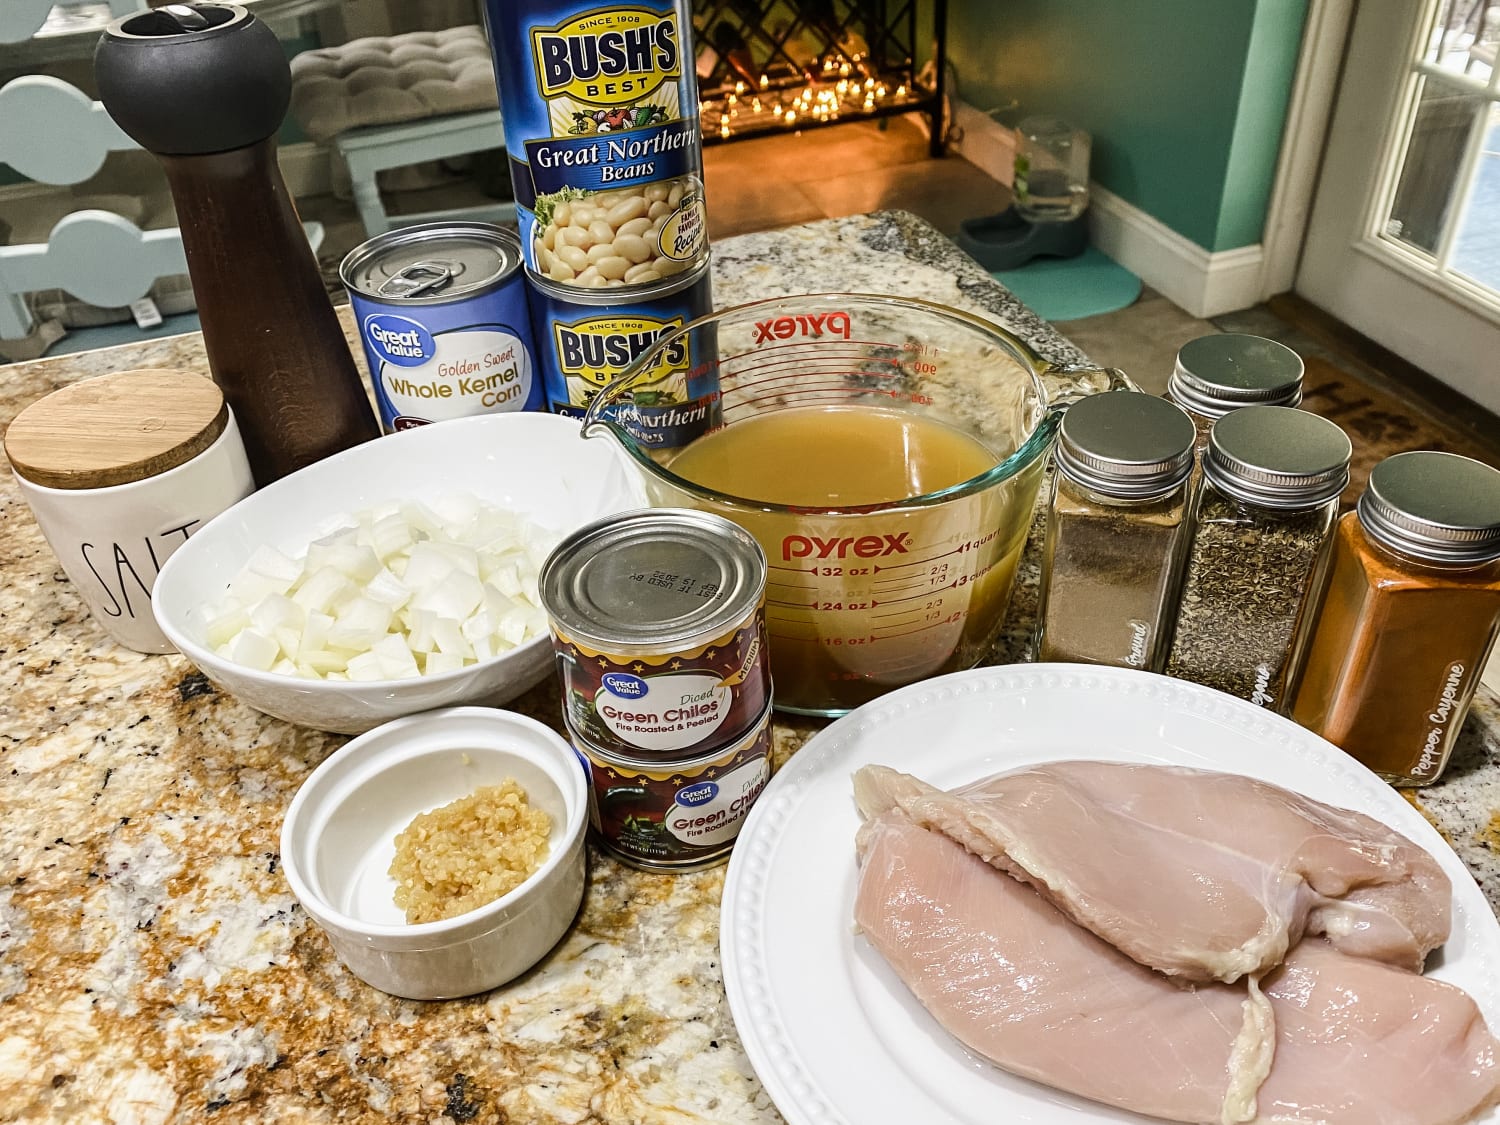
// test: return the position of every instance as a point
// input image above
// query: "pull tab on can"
(418, 279)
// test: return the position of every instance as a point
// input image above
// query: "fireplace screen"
(767, 65)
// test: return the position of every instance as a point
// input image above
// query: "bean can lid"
(1436, 506)
(1277, 458)
(1126, 444)
(116, 428)
(1216, 374)
(654, 580)
(432, 263)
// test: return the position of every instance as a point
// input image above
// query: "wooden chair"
(390, 101)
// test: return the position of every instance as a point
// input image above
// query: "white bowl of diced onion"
(394, 577)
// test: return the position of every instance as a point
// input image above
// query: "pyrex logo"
(398, 340)
(804, 324)
(860, 546)
(608, 56)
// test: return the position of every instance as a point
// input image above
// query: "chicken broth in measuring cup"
(884, 452)
(858, 604)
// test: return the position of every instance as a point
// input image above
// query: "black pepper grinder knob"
(204, 87)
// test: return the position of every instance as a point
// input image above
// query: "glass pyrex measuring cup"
(886, 454)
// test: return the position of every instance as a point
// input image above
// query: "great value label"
(672, 702)
(679, 815)
(432, 363)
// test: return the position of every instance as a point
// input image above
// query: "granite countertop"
(154, 965)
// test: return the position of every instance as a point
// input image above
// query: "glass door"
(1404, 239)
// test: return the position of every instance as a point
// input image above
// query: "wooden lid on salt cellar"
(117, 428)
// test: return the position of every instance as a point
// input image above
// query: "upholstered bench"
(398, 100)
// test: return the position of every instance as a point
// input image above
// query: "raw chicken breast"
(1362, 1042)
(1016, 982)
(1205, 876)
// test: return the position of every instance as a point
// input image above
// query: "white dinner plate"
(832, 1033)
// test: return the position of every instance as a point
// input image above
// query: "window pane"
(1463, 37)
(1476, 254)
(1427, 189)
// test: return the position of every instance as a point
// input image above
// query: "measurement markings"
(820, 361)
(911, 632)
(820, 395)
(897, 613)
(900, 582)
(807, 345)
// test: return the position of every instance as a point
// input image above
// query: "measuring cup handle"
(1068, 384)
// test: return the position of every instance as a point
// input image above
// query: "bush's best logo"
(612, 56)
(598, 349)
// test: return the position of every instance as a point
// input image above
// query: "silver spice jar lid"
(1436, 506)
(1216, 374)
(1126, 444)
(1277, 458)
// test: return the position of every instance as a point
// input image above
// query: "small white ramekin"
(338, 840)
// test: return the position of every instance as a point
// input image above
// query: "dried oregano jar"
(1216, 374)
(1115, 530)
(1262, 530)
(1410, 616)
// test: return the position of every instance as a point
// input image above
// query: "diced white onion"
(403, 590)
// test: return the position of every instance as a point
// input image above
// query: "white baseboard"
(1202, 282)
(984, 142)
(307, 168)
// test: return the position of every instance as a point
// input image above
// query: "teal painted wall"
(1185, 98)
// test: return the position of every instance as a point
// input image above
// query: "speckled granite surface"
(154, 966)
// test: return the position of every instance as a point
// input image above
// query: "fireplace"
(776, 65)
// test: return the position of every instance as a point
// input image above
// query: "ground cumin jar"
(1409, 617)
(1115, 531)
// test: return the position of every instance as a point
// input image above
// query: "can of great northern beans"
(442, 312)
(586, 338)
(675, 815)
(658, 622)
(600, 103)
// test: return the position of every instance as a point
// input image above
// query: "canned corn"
(443, 315)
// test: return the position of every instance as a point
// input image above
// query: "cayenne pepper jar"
(1216, 374)
(1115, 531)
(1262, 530)
(1410, 615)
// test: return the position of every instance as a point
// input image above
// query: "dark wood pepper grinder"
(204, 87)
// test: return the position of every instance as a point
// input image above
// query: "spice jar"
(1216, 374)
(1262, 530)
(1115, 530)
(1411, 612)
